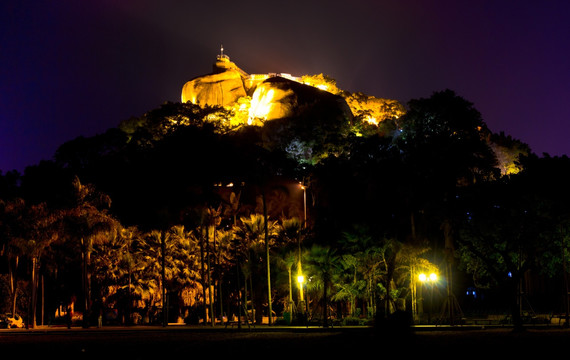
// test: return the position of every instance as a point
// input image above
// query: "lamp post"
(425, 279)
(303, 306)
(304, 188)
(300, 277)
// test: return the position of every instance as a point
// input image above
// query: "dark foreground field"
(337, 343)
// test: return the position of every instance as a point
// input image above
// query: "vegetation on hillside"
(182, 208)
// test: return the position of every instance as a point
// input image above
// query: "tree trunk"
(203, 276)
(239, 292)
(352, 296)
(290, 306)
(267, 259)
(219, 277)
(164, 303)
(516, 303)
(13, 283)
(86, 282)
(208, 274)
(566, 290)
(43, 302)
(32, 315)
(245, 286)
(325, 304)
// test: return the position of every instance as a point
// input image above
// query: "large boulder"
(303, 121)
(279, 97)
(218, 89)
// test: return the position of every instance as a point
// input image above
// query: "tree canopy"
(126, 207)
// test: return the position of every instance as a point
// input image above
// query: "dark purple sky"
(71, 68)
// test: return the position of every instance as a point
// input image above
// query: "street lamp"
(432, 277)
(425, 279)
(300, 277)
(303, 313)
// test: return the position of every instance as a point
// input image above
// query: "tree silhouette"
(85, 219)
(323, 261)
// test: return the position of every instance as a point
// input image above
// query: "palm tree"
(268, 267)
(287, 261)
(348, 282)
(411, 264)
(128, 236)
(253, 233)
(399, 265)
(324, 262)
(222, 253)
(86, 218)
(389, 255)
(250, 230)
(291, 233)
(182, 260)
(211, 219)
(26, 230)
(363, 256)
(106, 270)
(40, 230)
(152, 253)
(10, 228)
(145, 282)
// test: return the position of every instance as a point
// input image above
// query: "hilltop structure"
(280, 95)
(221, 88)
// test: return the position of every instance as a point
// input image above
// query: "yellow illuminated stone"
(270, 101)
(256, 98)
(222, 89)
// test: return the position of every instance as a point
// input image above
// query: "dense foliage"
(185, 209)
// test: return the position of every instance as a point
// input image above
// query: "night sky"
(72, 68)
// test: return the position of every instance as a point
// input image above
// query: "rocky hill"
(274, 96)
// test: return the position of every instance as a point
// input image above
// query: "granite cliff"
(278, 95)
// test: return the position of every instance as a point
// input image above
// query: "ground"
(273, 343)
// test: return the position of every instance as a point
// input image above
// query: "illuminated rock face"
(272, 100)
(221, 89)
(278, 98)
(301, 119)
(272, 96)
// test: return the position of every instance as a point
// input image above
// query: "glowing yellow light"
(432, 277)
(321, 82)
(261, 103)
(371, 120)
(300, 279)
